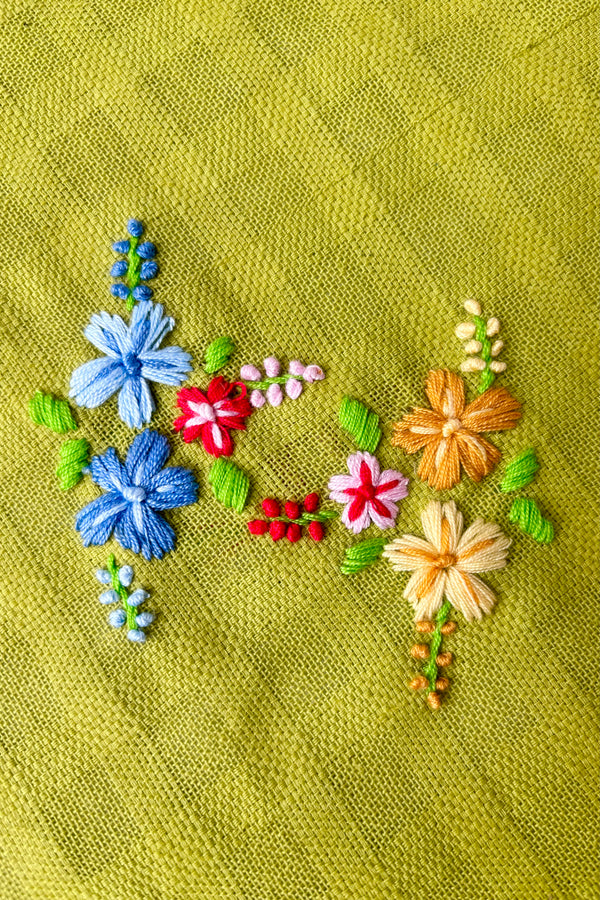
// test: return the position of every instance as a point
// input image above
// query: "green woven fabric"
(325, 180)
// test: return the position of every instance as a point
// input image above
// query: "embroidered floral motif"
(297, 517)
(135, 494)
(267, 388)
(444, 564)
(369, 494)
(131, 360)
(212, 414)
(482, 351)
(450, 432)
(138, 266)
(120, 580)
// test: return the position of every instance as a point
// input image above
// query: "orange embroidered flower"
(450, 432)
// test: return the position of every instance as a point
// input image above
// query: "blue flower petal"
(170, 365)
(109, 334)
(136, 404)
(119, 268)
(121, 246)
(148, 269)
(97, 520)
(95, 381)
(144, 531)
(172, 487)
(109, 472)
(142, 292)
(120, 290)
(146, 250)
(135, 228)
(147, 455)
(149, 327)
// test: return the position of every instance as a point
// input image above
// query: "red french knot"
(211, 415)
(296, 517)
(271, 508)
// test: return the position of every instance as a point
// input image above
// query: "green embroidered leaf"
(56, 414)
(362, 555)
(230, 485)
(218, 354)
(520, 471)
(530, 520)
(360, 423)
(74, 457)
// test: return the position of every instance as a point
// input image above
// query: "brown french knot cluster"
(293, 520)
(433, 658)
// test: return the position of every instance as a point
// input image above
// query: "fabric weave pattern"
(324, 179)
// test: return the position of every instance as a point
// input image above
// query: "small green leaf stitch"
(530, 520)
(230, 485)
(430, 669)
(360, 423)
(74, 457)
(362, 555)
(56, 414)
(520, 471)
(218, 354)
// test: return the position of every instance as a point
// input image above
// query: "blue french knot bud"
(138, 637)
(147, 250)
(118, 268)
(143, 619)
(109, 597)
(142, 292)
(149, 269)
(117, 618)
(121, 246)
(125, 575)
(103, 576)
(135, 228)
(119, 290)
(137, 597)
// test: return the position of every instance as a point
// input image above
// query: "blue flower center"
(134, 494)
(132, 364)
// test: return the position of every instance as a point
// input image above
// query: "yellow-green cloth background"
(329, 180)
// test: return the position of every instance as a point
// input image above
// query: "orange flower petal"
(494, 410)
(440, 465)
(446, 393)
(477, 455)
(416, 430)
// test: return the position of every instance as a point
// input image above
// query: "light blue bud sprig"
(138, 266)
(120, 579)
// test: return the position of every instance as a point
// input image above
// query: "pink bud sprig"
(269, 387)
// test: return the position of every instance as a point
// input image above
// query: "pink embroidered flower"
(370, 495)
(210, 416)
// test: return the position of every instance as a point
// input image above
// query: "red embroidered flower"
(211, 415)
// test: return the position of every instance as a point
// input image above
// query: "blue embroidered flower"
(135, 494)
(132, 360)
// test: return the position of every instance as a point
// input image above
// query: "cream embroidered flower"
(445, 563)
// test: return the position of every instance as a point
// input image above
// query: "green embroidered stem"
(218, 354)
(362, 555)
(530, 520)
(74, 457)
(122, 591)
(134, 265)
(520, 471)
(267, 382)
(322, 515)
(230, 485)
(47, 410)
(360, 423)
(430, 669)
(486, 378)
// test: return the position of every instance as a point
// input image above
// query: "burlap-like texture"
(324, 180)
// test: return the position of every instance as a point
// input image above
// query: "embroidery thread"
(44, 409)
(267, 388)
(362, 555)
(137, 266)
(520, 471)
(218, 354)
(360, 423)
(230, 485)
(136, 492)
(444, 567)
(527, 515)
(211, 415)
(74, 459)
(368, 494)
(482, 350)
(450, 433)
(120, 579)
(297, 517)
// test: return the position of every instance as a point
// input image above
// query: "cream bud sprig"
(482, 350)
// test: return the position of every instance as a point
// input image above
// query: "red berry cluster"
(279, 527)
